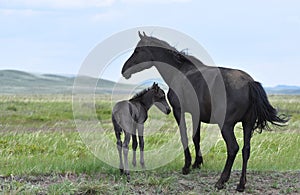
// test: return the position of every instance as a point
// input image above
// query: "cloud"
(58, 4)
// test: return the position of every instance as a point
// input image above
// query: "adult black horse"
(213, 95)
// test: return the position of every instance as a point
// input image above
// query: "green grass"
(38, 138)
(45, 153)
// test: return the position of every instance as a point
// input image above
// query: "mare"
(214, 95)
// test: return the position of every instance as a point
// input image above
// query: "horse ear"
(144, 34)
(140, 35)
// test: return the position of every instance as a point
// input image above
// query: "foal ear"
(155, 86)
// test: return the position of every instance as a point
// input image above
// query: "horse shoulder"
(138, 112)
(143, 114)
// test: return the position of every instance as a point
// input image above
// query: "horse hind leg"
(125, 152)
(118, 131)
(247, 130)
(232, 149)
(119, 146)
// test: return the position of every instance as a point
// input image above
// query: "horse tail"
(262, 110)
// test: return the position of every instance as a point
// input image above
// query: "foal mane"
(140, 94)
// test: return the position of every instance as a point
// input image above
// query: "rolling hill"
(18, 82)
(283, 90)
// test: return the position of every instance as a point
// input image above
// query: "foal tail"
(263, 111)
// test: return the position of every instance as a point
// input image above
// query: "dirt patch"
(198, 182)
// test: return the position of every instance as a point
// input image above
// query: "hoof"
(128, 177)
(220, 185)
(196, 165)
(185, 171)
(143, 166)
(121, 171)
(198, 162)
(240, 188)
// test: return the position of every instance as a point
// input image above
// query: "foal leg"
(118, 131)
(247, 128)
(134, 147)
(141, 140)
(232, 149)
(125, 151)
(196, 140)
(180, 119)
(119, 146)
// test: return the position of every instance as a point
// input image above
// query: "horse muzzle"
(126, 76)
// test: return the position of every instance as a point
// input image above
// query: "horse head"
(141, 59)
(159, 99)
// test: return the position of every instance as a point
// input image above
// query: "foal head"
(159, 99)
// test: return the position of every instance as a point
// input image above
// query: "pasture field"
(41, 152)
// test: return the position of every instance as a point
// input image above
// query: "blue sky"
(55, 36)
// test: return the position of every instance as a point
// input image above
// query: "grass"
(38, 139)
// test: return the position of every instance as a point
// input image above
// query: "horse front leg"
(141, 141)
(232, 149)
(134, 147)
(247, 129)
(180, 119)
(196, 140)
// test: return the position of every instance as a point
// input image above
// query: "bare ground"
(198, 182)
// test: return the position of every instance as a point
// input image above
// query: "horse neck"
(146, 100)
(169, 66)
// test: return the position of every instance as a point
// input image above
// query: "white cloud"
(65, 4)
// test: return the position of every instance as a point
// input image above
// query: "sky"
(55, 36)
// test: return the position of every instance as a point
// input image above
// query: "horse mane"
(140, 94)
(181, 56)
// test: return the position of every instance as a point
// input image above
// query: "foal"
(129, 115)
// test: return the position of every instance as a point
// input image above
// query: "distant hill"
(283, 90)
(18, 82)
